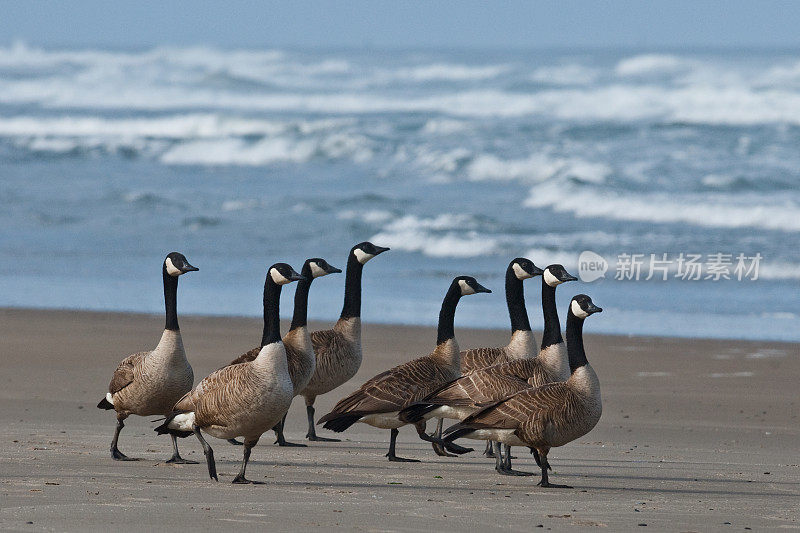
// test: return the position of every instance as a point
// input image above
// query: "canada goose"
(243, 399)
(299, 351)
(474, 390)
(379, 400)
(522, 341)
(548, 416)
(338, 350)
(149, 383)
(552, 357)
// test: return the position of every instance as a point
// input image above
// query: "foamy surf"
(457, 161)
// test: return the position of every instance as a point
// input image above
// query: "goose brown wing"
(246, 357)
(516, 410)
(208, 387)
(126, 372)
(477, 388)
(479, 358)
(392, 390)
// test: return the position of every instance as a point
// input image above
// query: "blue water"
(459, 161)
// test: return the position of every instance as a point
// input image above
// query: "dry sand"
(696, 435)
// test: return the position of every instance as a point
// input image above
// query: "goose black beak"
(189, 268)
(594, 309)
(294, 276)
(536, 271)
(333, 270)
(380, 250)
(567, 277)
(480, 288)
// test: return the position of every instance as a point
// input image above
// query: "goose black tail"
(341, 423)
(456, 432)
(416, 412)
(163, 429)
(105, 404)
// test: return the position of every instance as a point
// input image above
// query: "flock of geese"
(516, 395)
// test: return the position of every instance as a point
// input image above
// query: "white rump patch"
(110, 398)
(577, 310)
(362, 256)
(383, 420)
(182, 422)
(550, 279)
(277, 277)
(465, 288)
(520, 272)
(316, 270)
(171, 270)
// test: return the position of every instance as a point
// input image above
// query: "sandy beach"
(696, 435)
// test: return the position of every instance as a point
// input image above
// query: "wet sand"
(696, 435)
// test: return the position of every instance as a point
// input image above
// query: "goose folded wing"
(479, 357)
(246, 357)
(211, 386)
(125, 373)
(515, 410)
(391, 390)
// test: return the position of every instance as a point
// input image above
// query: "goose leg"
(240, 479)
(280, 439)
(544, 481)
(312, 433)
(489, 451)
(209, 453)
(391, 455)
(176, 458)
(436, 440)
(115, 453)
(507, 463)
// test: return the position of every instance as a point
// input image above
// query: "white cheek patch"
(465, 288)
(550, 279)
(577, 310)
(520, 272)
(110, 398)
(278, 278)
(171, 270)
(362, 256)
(316, 270)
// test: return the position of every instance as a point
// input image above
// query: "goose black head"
(582, 306)
(556, 275)
(524, 268)
(319, 267)
(469, 285)
(176, 264)
(281, 274)
(366, 250)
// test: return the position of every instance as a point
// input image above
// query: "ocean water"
(457, 160)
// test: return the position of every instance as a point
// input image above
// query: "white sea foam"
(569, 74)
(446, 235)
(647, 64)
(535, 168)
(450, 72)
(726, 212)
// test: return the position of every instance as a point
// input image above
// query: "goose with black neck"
(299, 348)
(245, 399)
(379, 401)
(338, 350)
(149, 383)
(548, 416)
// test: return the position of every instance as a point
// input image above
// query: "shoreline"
(315, 324)
(695, 435)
